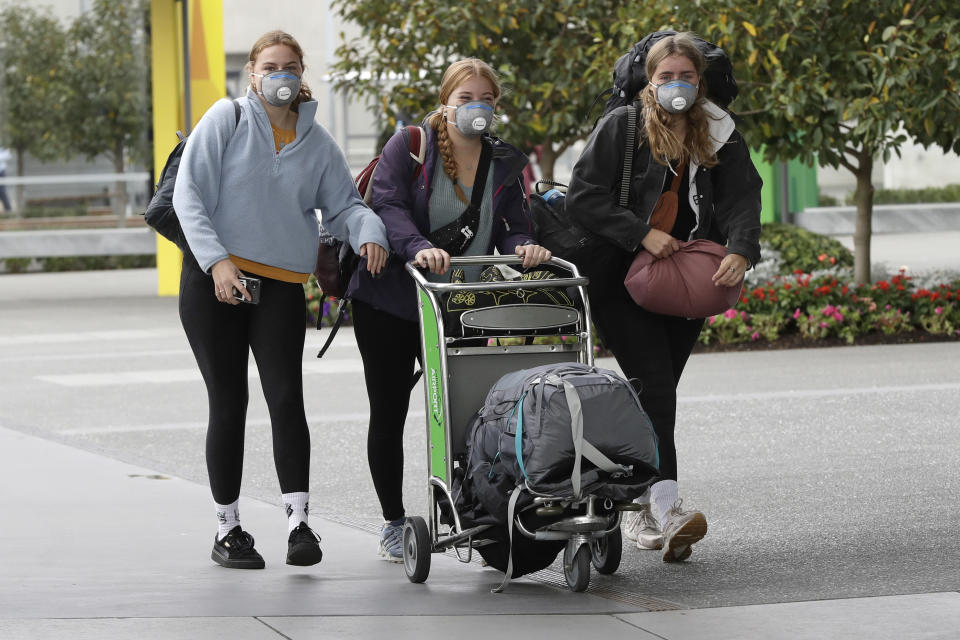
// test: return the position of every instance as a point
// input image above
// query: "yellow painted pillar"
(207, 85)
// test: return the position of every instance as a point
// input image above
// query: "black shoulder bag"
(455, 237)
(556, 229)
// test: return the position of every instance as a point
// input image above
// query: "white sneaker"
(641, 527)
(680, 530)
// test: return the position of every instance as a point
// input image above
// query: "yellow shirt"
(281, 138)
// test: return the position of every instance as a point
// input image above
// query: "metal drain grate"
(549, 577)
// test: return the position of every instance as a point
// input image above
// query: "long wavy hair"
(455, 75)
(270, 39)
(665, 145)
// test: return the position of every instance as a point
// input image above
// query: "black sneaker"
(303, 547)
(236, 551)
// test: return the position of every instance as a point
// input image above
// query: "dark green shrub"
(16, 265)
(948, 193)
(802, 249)
(823, 200)
(86, 263)
(54, 212)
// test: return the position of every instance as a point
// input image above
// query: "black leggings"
(389, 347)
(221, 336)
(652, 348)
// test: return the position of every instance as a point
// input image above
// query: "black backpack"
(630, 74)
(556, 230)
(159, 213)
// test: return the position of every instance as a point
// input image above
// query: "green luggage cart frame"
(459, 368)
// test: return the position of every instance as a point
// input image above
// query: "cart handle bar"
(576, 281)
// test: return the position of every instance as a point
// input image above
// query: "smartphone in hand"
(253, 288)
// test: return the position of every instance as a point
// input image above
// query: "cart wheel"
(607, 552)
(416, 549)
(576, 569)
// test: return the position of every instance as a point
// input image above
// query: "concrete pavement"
(824, 473)
(95, 548)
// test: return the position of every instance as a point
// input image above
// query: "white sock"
(644, 499)
(296, 505)
(228, 515)
(664, 494)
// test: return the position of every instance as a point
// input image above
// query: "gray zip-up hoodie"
(234, 194)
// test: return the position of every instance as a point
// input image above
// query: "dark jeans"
(222, 336)
(389, 347)
(653, 349)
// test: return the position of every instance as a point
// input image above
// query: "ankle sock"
(296, 505)
(228, 517)
(644, 499)
(664, 495)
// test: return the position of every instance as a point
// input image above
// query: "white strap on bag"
(511, 509)
(581, 447)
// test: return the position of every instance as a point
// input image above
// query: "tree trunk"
(864, 227)
(18, 196)
(548, 158)
(118, 200)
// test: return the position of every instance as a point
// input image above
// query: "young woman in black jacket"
(680, 132)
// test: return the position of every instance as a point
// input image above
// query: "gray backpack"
(564, 430)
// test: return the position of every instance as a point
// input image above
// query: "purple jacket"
(404, 206)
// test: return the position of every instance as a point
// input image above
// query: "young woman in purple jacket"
(384, 308)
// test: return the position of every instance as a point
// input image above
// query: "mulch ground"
(794, 341)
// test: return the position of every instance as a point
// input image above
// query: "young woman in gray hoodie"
(246, 195)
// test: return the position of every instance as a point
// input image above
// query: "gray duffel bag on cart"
(562, 430)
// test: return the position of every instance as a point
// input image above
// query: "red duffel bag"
(681, 284)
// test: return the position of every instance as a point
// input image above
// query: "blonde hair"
(455, 75)
(272, 38)
(664, 143)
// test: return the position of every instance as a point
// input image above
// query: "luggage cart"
(459, 369)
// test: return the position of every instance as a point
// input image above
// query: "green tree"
(543, 51)
(32, 87)
(109, 100)
(842, 83)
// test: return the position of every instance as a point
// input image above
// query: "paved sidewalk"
(99, 549)
(95, 547)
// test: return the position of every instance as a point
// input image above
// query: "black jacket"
(725, 198)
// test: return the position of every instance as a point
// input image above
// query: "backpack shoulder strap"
(631, 145)
(341, 311)
(236, 111)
